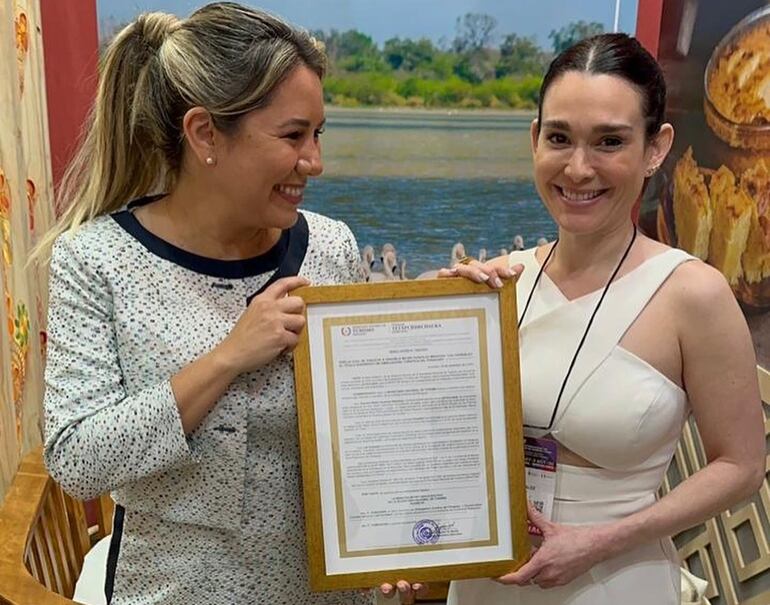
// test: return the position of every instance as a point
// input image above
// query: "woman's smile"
(580, 198)
(291, 193)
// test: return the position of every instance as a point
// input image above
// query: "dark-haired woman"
(621, 339)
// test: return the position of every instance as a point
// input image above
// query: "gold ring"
(465, 260)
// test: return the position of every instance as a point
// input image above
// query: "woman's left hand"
(566, 552)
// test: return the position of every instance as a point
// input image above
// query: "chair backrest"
(45, 537)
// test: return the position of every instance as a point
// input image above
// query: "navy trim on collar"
(227, 269)
(294, 257)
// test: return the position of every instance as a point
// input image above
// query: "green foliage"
(442, 66)
(520, 56)
(573, 33)
(353, 42)
(351, 50)
(468, 72)
(362, 89)
(475, 66)
(363, 63)
(519, 93)
(409, 55)
(343, 101)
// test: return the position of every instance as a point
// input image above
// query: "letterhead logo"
(345, 330)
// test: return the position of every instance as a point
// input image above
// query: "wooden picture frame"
(491, 541)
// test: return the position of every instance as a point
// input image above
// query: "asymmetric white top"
(617, 411)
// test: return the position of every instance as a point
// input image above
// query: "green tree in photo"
(476, 66)
(353, 43)
(441, 67)
(359, 53)
(572, 33)
(468, 71)
(409, 55)
(520, 55)
(352, 51)
(472, 45)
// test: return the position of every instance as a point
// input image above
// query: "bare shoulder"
(697, 286)
(693, 285)
(707, 313)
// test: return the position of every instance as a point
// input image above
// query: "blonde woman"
(168, 380)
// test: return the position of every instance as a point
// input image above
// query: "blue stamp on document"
(426, 532)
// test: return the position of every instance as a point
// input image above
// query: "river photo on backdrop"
(426, 180)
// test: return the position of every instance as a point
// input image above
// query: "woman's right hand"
(270, 325)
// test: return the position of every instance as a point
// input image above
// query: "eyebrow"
(300, 122)
(601, 128)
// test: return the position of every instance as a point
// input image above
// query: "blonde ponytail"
(116, 160)
(225, 57)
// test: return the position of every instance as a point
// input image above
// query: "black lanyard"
(588, 327)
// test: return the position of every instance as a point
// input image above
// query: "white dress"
(618, 412)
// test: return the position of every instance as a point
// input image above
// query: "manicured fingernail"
(483, 276)
(498, 282)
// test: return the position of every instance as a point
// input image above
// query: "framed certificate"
(410, 426)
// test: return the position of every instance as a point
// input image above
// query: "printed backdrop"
(26, 210)
(712, 198)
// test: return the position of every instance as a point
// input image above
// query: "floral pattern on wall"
(26, 211)
(21, 27)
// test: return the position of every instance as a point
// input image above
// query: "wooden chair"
(44, 537)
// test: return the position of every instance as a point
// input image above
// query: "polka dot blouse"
(213, 517)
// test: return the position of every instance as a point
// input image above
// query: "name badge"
(540, 463)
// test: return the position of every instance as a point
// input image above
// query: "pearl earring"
(210, 161)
